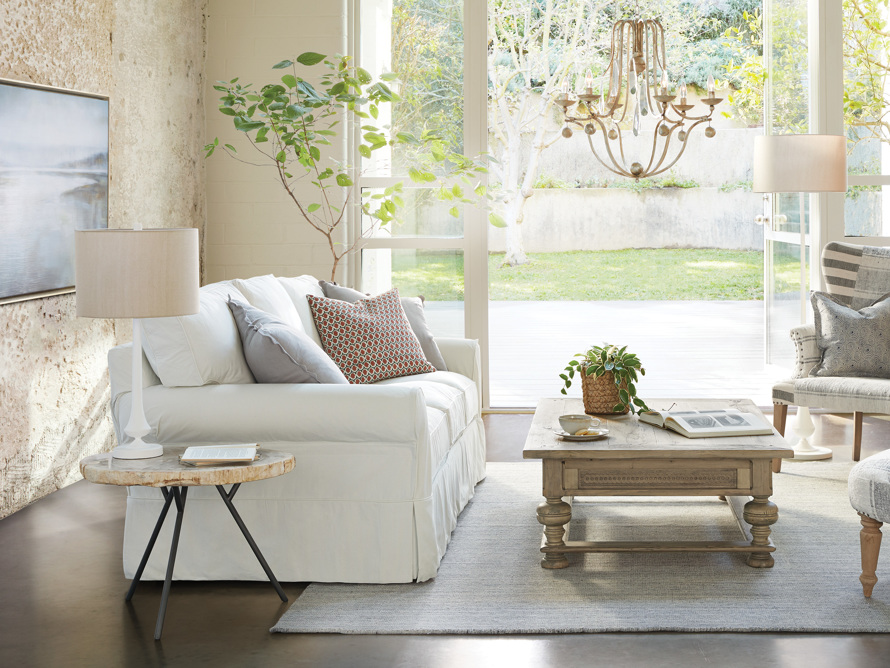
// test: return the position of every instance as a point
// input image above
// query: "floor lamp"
(801, 164)
(136, 274)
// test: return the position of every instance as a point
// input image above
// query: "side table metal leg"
(168, 497)
(179, 495)
(227, 499)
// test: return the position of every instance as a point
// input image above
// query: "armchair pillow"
(853, 343)
(413, 307)
(370, 339)
(279, 353)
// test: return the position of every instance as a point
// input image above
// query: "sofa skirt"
(309, 539)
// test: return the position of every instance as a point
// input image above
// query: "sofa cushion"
(268, 294)
(451, 393)
(199, 349)
(413, 307)
(369, 340)
(297, 288)
(853, 343)
(279, 353)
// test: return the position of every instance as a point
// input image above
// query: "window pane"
(789, 68)
(422, 42)
(867, 211)
(785, 303)
(437, 275)
(866, 45)
(421, 215)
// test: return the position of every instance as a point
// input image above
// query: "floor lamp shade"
(136, 273)
(800, 164)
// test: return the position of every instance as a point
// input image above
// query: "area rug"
(490, 580)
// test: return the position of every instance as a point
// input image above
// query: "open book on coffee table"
(708, 423)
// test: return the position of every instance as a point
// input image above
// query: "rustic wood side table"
(174, 479)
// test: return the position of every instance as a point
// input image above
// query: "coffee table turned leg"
(760, 513)
(554, 514)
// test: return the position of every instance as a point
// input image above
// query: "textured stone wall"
(147, 56)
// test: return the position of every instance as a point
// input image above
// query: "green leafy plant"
(288, 125)
(597, 360)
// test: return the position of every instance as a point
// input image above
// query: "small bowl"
(572, 424)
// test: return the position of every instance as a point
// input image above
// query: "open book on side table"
(708, 424)
(202, 455)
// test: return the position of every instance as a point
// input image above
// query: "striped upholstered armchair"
(855, 276)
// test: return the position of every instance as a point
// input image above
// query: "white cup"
(572, 424)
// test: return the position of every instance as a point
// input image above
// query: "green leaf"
(389, 76)
(231, 148)
(228, 111)
(294, 110)
(364, 151)
(281, 157)
(313, 207)
(363, 76)
(310, 58)
(247, 126)
(289, 80)
(453, 212)
(495, 220)
(343, 180)
(618, 408)
(282, 64)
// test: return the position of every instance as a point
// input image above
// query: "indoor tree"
(289, 125)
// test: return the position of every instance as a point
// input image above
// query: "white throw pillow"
(267, 294)
(297, 288)
(200, 349)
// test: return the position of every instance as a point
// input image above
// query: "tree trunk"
(515, 254)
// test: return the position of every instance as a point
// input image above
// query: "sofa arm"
(462, 356)
(806, 350)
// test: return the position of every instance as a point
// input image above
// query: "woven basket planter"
(601, 394)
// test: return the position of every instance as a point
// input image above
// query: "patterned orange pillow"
(370, 339)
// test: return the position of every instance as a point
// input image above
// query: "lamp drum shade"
(146, 273)
(800, 164)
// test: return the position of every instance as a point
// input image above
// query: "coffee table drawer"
(607, 477)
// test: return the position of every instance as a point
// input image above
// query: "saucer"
(600, 432)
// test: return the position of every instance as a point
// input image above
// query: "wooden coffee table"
(637, 459)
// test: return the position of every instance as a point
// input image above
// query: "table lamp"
(137, 273)
(801, 164)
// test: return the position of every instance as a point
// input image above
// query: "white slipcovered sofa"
(382, 471)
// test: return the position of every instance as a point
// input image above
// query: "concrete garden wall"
(611, 218)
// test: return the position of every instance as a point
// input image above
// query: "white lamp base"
(804, 428)
(137, 450)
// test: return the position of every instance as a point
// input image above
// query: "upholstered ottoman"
(869, 488)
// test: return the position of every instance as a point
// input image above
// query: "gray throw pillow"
(413, 307)
(853, 343)
(278, 353)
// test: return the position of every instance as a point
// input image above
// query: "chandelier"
(630, 82)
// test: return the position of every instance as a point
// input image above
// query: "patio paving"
(688, 348)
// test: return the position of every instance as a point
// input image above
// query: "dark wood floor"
(62, 591)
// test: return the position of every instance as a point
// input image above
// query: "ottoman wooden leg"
(870, 544)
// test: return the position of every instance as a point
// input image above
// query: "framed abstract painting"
(53, 180)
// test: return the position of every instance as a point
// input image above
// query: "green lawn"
(702, 274)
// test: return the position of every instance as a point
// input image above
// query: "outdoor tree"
(866, 45)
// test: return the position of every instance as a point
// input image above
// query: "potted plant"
(609, 376)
